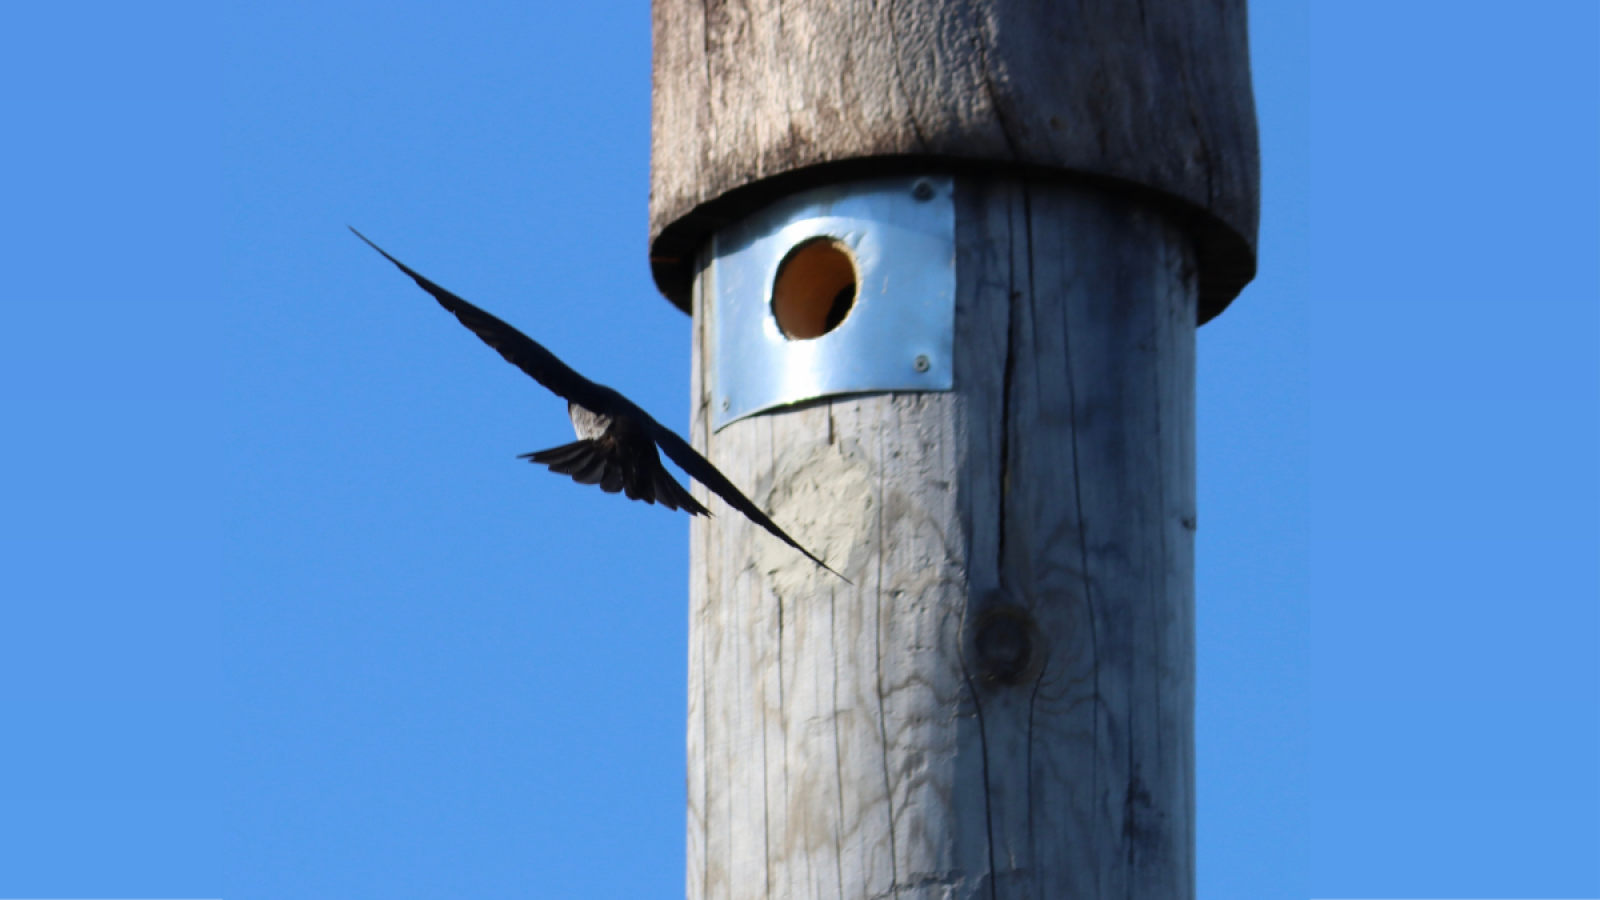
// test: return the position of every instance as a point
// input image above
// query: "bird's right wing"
(518, 349)
(700, 469)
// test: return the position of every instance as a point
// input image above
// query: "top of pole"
(753, 101)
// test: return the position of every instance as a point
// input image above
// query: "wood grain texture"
(754, 99)
(869, 741)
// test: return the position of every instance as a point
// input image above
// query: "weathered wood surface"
(757, 98)
(879, 741)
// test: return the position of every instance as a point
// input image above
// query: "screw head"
(922, 191)
(726, 404)
(921, 363)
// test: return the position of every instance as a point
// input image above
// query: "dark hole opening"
(815, 289)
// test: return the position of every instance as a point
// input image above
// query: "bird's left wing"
(700, 469)
(527, 355)
(518, 349)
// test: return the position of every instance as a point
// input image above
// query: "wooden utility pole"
(1002, 703)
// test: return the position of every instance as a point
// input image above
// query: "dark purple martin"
(617, 441)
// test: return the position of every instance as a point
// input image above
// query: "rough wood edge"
(1226, 259)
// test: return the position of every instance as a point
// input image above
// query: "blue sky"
(281, 615)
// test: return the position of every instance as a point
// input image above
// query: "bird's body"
(617, 441)
(588, 425)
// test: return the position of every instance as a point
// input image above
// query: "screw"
(922, 190)
(726, 403)
(921, 363)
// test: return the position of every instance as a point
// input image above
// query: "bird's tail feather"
(585, 461)
(591, 462)
(558, 455)
(673, 495)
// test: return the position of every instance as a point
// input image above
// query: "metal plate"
(898, 335)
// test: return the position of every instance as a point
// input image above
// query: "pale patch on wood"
(824, 496)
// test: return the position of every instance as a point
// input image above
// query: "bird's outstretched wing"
(518, 349)
(532, 358)
(700, 469)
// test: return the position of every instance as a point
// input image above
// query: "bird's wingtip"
(809, 555)
(364, 238)
(385, 254)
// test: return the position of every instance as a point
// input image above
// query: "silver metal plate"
(900, 332)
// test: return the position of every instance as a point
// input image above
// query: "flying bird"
(617, 441)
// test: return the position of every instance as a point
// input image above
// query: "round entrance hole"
(815, 289)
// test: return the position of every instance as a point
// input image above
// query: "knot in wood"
(1004, 644)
